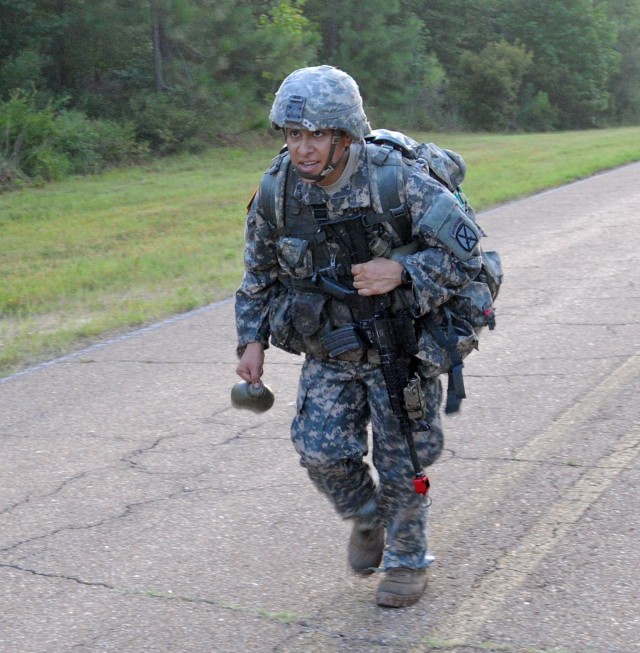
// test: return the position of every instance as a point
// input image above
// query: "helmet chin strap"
(330, 166)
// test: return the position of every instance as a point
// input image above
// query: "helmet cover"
(320, 97)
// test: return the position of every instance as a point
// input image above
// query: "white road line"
(460, 521)
(547, 533)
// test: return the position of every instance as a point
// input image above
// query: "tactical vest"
(387, 206)
(313, 244)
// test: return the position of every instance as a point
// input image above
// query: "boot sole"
(388, 600)
(364, 572)
(394, 592)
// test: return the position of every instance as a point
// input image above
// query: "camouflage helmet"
(321, 97)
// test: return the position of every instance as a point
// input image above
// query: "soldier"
(308, 287)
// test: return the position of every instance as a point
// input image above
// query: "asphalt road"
(140, 512)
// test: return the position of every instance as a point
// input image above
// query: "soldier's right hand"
(250, 367)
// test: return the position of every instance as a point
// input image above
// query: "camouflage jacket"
(268, 307)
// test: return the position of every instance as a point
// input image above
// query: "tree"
(487, 85)
(157, 31)
(18, 29)
(22, 60)
(453, 30)
(186, 73)
(382, 45)
(287, 41)
(574, 57)
(625, 82)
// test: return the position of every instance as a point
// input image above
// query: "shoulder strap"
(386, 184)
(272, 190)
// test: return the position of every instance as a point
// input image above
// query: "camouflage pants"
(336, 402)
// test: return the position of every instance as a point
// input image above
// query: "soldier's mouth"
(308, 165)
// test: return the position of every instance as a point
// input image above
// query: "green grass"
(97, 255)
(506, 167)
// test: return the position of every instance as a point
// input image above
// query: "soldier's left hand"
(377, 276)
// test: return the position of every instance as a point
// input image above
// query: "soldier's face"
(310, 152)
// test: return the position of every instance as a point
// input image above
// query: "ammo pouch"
(307, 312)
(299, 322)
(283, 334)
(475, 302)
(491, 272)
(341, 340)
(295, 256)
(452, 333)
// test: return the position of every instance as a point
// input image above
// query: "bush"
(49, 144)
(46, 163)
(26, 133)
(169, 125)
(117, 143)
(10, 176)
(76, 135)
(93, 145)
(537, 114)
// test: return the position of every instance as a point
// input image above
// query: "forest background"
(86, 85)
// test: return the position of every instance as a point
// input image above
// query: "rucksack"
(451, 332)
(455, 327)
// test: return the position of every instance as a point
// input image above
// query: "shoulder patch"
(466, 237)
(452, 226)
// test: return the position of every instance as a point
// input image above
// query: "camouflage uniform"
(340, 397)
(336, 401)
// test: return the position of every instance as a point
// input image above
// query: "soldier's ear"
(346, 139)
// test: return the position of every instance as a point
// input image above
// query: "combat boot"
(401, 587)
(365, 549)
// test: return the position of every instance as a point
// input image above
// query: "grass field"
(94, 256)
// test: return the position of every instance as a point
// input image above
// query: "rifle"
(392, 336)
